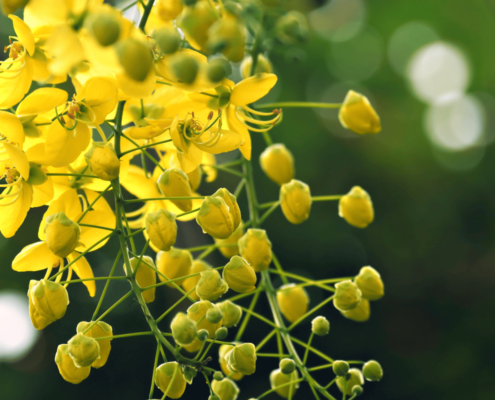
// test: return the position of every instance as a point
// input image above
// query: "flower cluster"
(158, 93)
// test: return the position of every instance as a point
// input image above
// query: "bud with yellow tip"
(184, 329)
(173, 182)
(239, 275)
(295, 200)
(170, 379)
(47, 302)
(353, 378)
(230, 251)
(211, 286)
(356, 208)
(278, 378)
(84, 350)
(129, 50)
(174, 264)
(231, 202)
(189, 283)
(242, 359)
(372, 371)
(215, 218)
(98, 330)
(62, 234)
(277, 163)
(360, 313)
(347, 296)
(161, 228)
(67, 368)
(103, 161)
(262, 66)
(145, 276)
(225, 389)
(256, 249)
(370, 283)
(223, 350)
(358, 115)
(293, 301)
(232, 313)
(320, 326)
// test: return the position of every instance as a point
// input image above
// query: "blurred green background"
(428, 69)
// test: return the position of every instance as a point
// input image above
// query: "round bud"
(36, 175)
(357, 391)
(105, 27)
(215, 218)
(173, 182)
(372, 371)
(145, 275)
(360, 313)
(214, 315)
(295, 200)
(340, 368)
(218, 376)
(239, 275)
(211, 286)
(292, 28)
(221, 333)
(231, 202)
(184, 67)
(320, 326)
(262, 66)
(184, 329)
(293, 301)
(169, 378)
(161, 229)
(347, 296)
(242, 359)
(223, 350)
(69, 371)
(370, 283)
(287, 366)
(103, 161)
(62, 234)
(47, 302)
(256, 249)
(84, 350)
(167, 39)
(358, 115)
(218, 69)
(202, 335)
(277, 163)
(356, 208)
(135, 58)
(231, 313)
(169, 10)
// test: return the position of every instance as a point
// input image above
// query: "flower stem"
(299, 104)
(327, 198)
(106, 285)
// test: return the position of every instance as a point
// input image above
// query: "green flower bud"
(320, 326)
(36, 175)
(161, 229)
(242, 359)
(239, 275)
(84, 350)
(189, 373)
(295, 200)
(213, 397)
(223, 350)
(340, 368)
(293, 301)
(173, 182)
(211, 286)
(256, 249)
(98, 330)
(356, 208)
(292, 28)
(360, 313)
(230, 251)
(357, 391)
(214, 218)
(195, 22)
(11, 6)
(189, 283)
(174, 264)
(62, 234)
(103, 161)
(370, 283)
(145, 276)
(197, 311)
(184, 329)
(278, 378)
(372, 371)
(277, 163)
(67, 368)
(347, 296)
(184, 67)
(218, 376)
(221, 333)
(287, 366)
(169, 378)
(214, 315)
(262, 66)
(135, 58)
(231, 313)
(202, 335)
(227, 35)
(231, 202)
(105, 27)
(218, 69)
(353, 378)
(225, 389)
(47, 302)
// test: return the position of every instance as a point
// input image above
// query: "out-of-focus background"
(427, 67)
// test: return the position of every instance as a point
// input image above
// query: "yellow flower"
(191, 282)
(239, 275)
(69, 371)
(256, 249)
(242, 359)
(278, 378)
(84, 350)
(360, 313)
(358, 115)
(161, 228)
(99, 330)
(356, 208)
(223, 350)
(210, 286)
(174, 264)
(347, 296)
(225, 389)
(47, 302)
(278, 164)
(230, 251)
(295, 200)
(145, 276)
(293, 301)
(170, 379)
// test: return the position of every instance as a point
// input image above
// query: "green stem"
(299, 104)
(175, 305)
(126, 335)
(164, 198)
(150, 157)
(280, 386)
(98, 227)
(188, 212)
(307, 348)
(101, 278)
(108, 311)
(313, 310)
(272, 355)
(327, 198)
(260, 317)
(266, 339)
(135, 233)
(207, 246)
(100, 302)
(280, 270)
(268, 212)
(246, 317)
(77, 175)
(145, 147)
(301, 278)
(225, 169)
(325, 366)
(93, 203)
(146, 14)
(157, 356)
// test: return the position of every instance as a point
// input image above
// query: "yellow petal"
(37, 154)
(62, 146)
(100, 205)
(35, 257)
(90, 236)
(136, 184)
(252, 89)
(83, 270)
(144, 132)
(23, 33)
(19, 159)
(237, 126)
(211, 173)
(64, 49)
(100, 94)
(13, 215)
(191, 159)
(15, 83)
(228, 141)
(11, 127)
(68, 203)
(43, 194)
(41, 101)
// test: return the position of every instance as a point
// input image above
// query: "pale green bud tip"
(185, 68)
(357, 390)
(347, 296)
(184, 329)
(320, 326)
(218, 376)
(157, 215)
(214, 315)
(84, 350)
(202, 335)
(221, 333)
(105, 27)
(129, 51)
(372, 371)
(287, 366)
(340, 368)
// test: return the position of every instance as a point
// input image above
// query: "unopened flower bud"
(360, 313)
(169, 378)
(358, 115)
(213, 396)
(189, 283)
(69, 371)
(293, 301)
(340, 368)
(173, 182)
(287, 366)
(356, 208)
(103, 161)
(161, 228)
(295, 199)
(214, 218)
(211, 286)
(218, 376)
(277, 163)
(202, 335)
(47, 302)
(62, 234)
(292, 28)
(347, 296)
(167, 39)
(197, 311)
(230, 250)
(231, 202)
(256, 249)
(84, 350)
(370, 283)
(262, 66)
(129, 52)
(169, 10)
(145, 276)
(353, 378)
(231, 313)
(242, 359)
(36, 175)
(174, 264)
(10, 6)
(221, 333)
(372, 371)
(184, 329)
(98, 330)
(223, 350)
(320, 326)
(239, 275)
(195, 22)
(278, 378)
(225, 389)
(184, 67)
(227, 35)
(189, 373)
(214, 315)
(357, 390)
(105, 27)
(218, 69)
(195, 178)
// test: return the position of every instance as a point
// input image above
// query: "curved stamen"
(255, 112)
